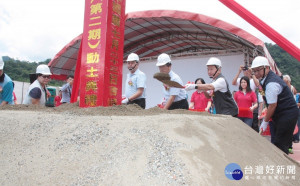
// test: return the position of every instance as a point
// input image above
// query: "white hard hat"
(1, 63)
(163, 59)
(259, 61)
(133, 57)
(43, 69)
(214, 61)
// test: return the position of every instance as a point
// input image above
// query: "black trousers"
(182, 104)
(141, 102)
(284, 126)
(255, 122)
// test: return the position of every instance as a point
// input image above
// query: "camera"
(245, 68)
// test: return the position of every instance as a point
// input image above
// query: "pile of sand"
(125, 145)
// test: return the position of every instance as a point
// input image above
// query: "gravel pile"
(69, 147)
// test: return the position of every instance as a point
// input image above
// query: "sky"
(36, 30)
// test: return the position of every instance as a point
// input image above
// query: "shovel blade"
(166, 79)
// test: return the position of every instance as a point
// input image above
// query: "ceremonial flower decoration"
(166, 87)
(130, 83)
(261, 91)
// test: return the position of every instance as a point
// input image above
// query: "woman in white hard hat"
(282, 107)
(219, 89)
(175, 97)
(135, 86)
(37, 93)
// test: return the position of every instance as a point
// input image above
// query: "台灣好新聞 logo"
(233, 171)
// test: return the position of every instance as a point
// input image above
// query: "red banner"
(102, 53)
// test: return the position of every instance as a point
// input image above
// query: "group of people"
(135, 86)
(259, 85)
(176, 98)
(37, 93)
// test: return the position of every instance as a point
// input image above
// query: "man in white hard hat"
(135, 86)
(6, 87)
(37, 93)
(175, 97)
(218, 89)
(282, 107)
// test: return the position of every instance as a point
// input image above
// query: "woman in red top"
(198, 99)
(246, 101)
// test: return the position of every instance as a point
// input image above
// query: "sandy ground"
(125, 145)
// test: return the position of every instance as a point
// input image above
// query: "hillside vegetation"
(286, 64)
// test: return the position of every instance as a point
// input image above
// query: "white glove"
(125, 101)
(190, 87)
(263, 125)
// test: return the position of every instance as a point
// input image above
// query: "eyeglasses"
(131, 62)
(44, 76)
(255, 71)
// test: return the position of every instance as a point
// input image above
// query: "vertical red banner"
(102, 53)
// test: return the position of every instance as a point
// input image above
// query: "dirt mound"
(125, 145)
(118, 110)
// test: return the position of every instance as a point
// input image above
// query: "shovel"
(166, 79)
